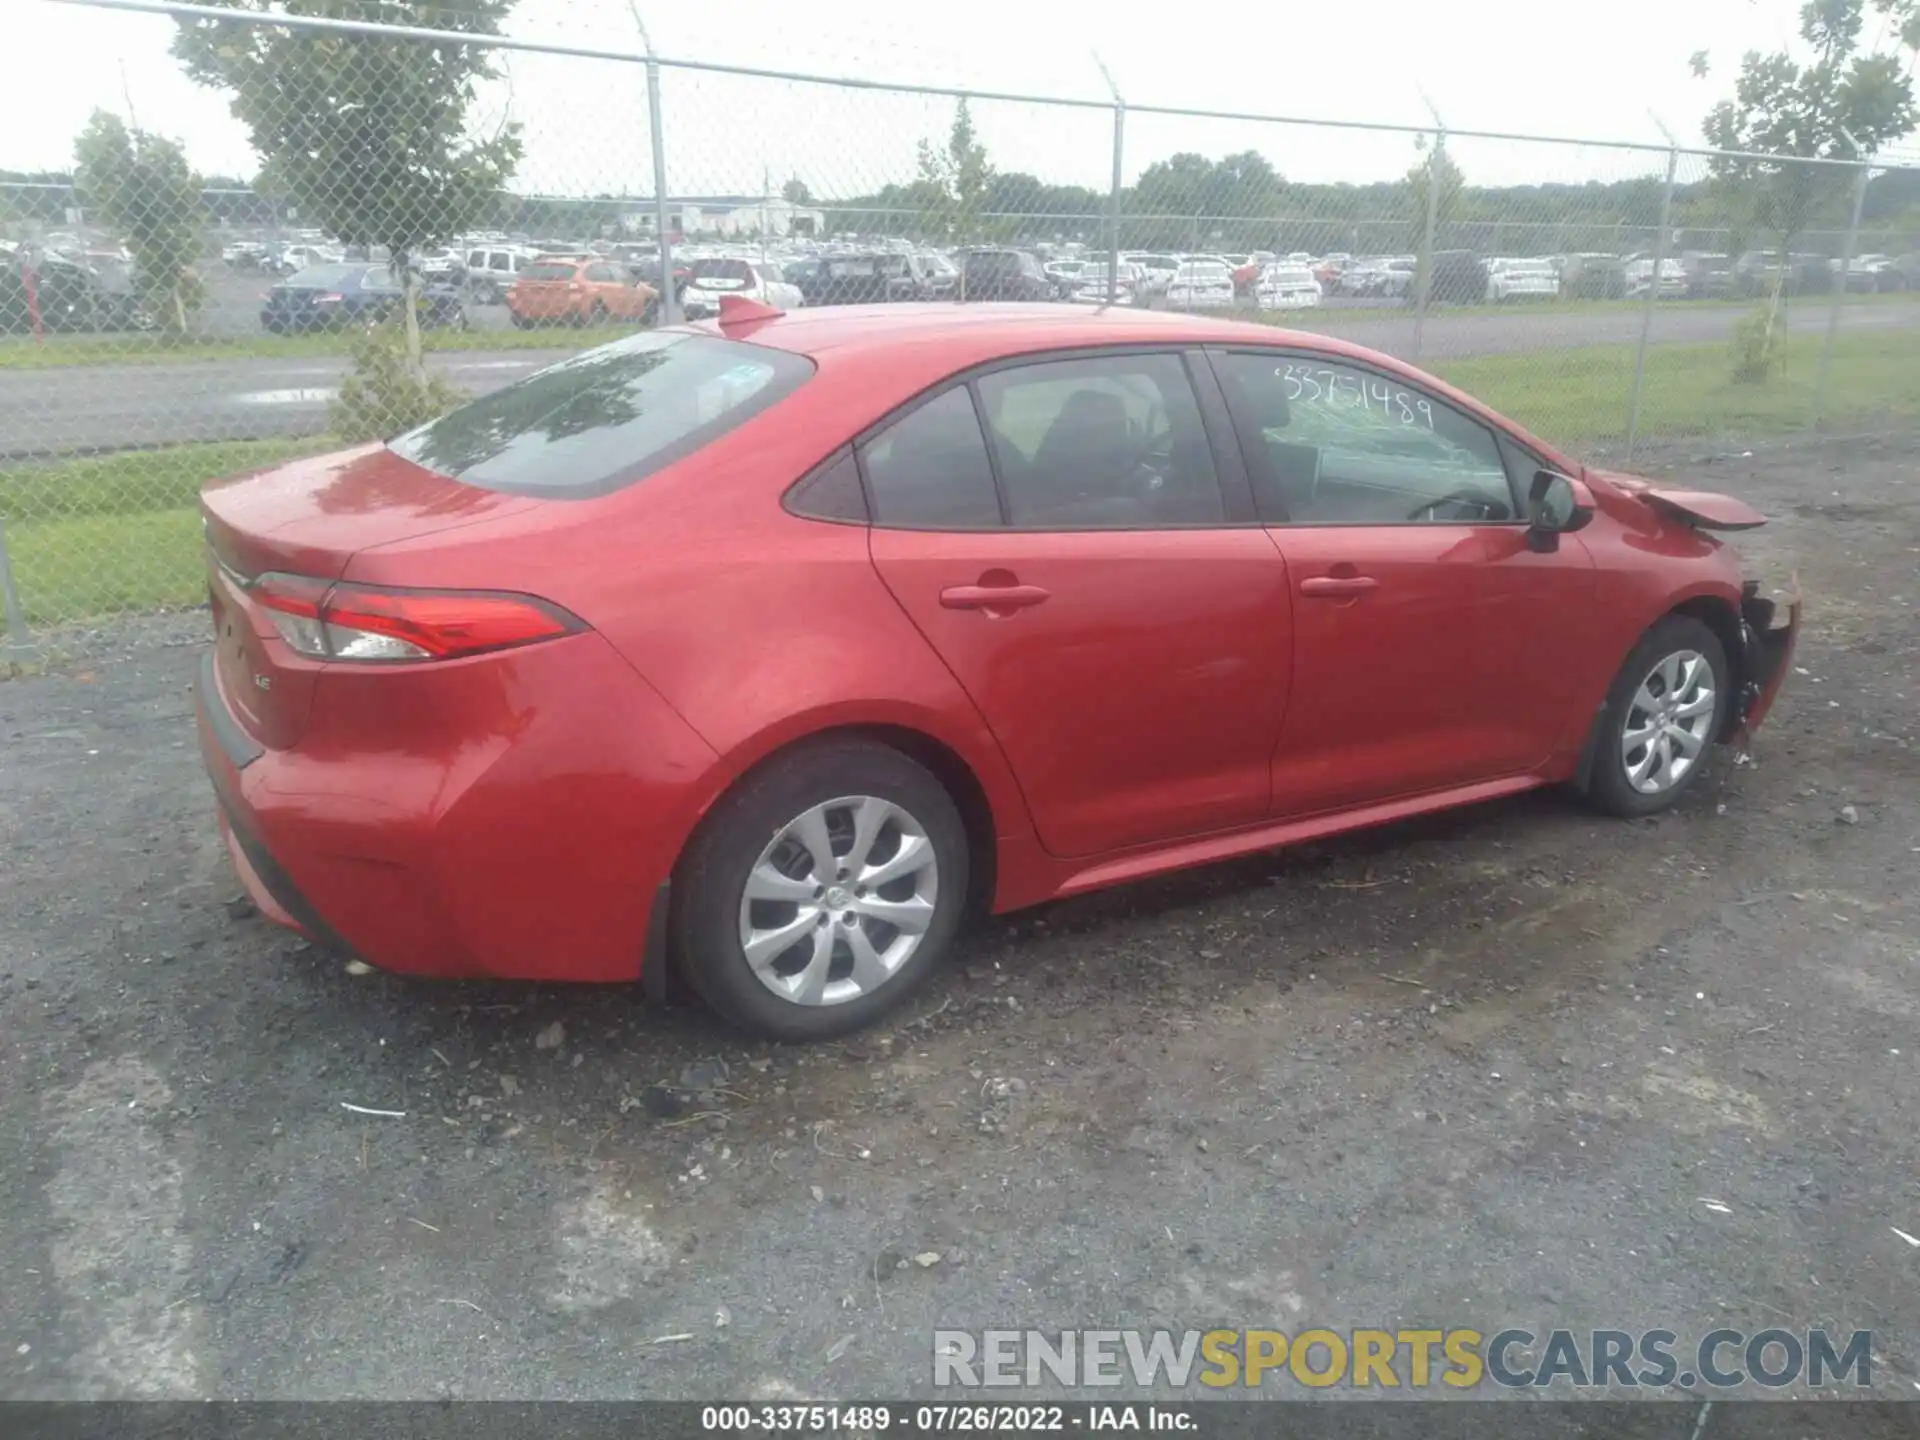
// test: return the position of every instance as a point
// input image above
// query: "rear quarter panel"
(759, 628)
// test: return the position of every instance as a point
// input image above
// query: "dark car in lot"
(875, 277)
(1873, 274)
(1709, 276)
(1459, 278)
(1593, 276)
(998, 274)
(1755, 271)
(327, 297)
(66, 294)
(647, 272)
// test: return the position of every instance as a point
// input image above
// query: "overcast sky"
(1578, 70)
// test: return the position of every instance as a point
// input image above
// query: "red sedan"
(769, 647)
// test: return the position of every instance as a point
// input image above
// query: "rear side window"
(549, 271)
(929, 469)
(606, 418)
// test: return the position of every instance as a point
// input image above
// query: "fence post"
(10, 596)
(669, 292)
(1653, 292)
(1119, 176)
(1840, 284)
(669, 295)
(1423, 266)
(1113, 201)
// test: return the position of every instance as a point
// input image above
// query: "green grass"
(23, 352)
(1821, 303)
(93, 537)
(112, 533)
(1584, 394)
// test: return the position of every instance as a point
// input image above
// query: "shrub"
(386, 392)
(1759, 346)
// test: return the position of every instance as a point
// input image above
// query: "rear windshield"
(550, 271)
(607, 418)
(721, 274)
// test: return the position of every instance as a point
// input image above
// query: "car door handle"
(1337, 585)
(992, 597)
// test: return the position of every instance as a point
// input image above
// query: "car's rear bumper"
(524, 840)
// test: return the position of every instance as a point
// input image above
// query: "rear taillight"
(364, 624)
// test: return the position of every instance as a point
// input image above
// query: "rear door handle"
(1337, 585)
(992, 597)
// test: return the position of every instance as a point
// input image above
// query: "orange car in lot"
(571, 290)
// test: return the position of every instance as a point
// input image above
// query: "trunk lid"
(310, 518)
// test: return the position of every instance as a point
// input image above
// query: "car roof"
(983, 331)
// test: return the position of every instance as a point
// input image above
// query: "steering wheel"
(1477, 499)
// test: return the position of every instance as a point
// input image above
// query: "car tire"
(521, 322)
(714, 919)
(1673, 659)
(597, 315)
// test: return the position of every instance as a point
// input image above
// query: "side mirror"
(1556, 505)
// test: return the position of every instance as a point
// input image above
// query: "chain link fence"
(440, 212)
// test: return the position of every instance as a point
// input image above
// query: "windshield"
(606, 418)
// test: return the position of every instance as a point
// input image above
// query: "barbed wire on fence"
(1604, 292)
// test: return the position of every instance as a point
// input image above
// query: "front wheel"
(838, 916)
(1662, 716)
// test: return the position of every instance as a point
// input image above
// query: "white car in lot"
(1673, 279)
(1090, 287)
(1518, 279)
(492, 269)
(1201, 285)
(713, 277)
(1156, 274)
(1288, 285)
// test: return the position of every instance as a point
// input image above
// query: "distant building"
(729, 215)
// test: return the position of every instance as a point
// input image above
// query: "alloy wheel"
(1668, 723)
(839, 900)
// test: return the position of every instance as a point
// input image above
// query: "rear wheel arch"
(955, 773)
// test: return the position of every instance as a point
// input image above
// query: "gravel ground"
(1479, 1070)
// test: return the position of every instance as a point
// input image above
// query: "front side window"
(608, 417)
(1341, 445)
(1115, 442)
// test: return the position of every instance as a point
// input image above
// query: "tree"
(795, 192)
(366, 136)
(955, 178)
(1437, 167)
(1813, 112)
(142, 186)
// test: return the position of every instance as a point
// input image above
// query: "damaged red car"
(765, 650)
